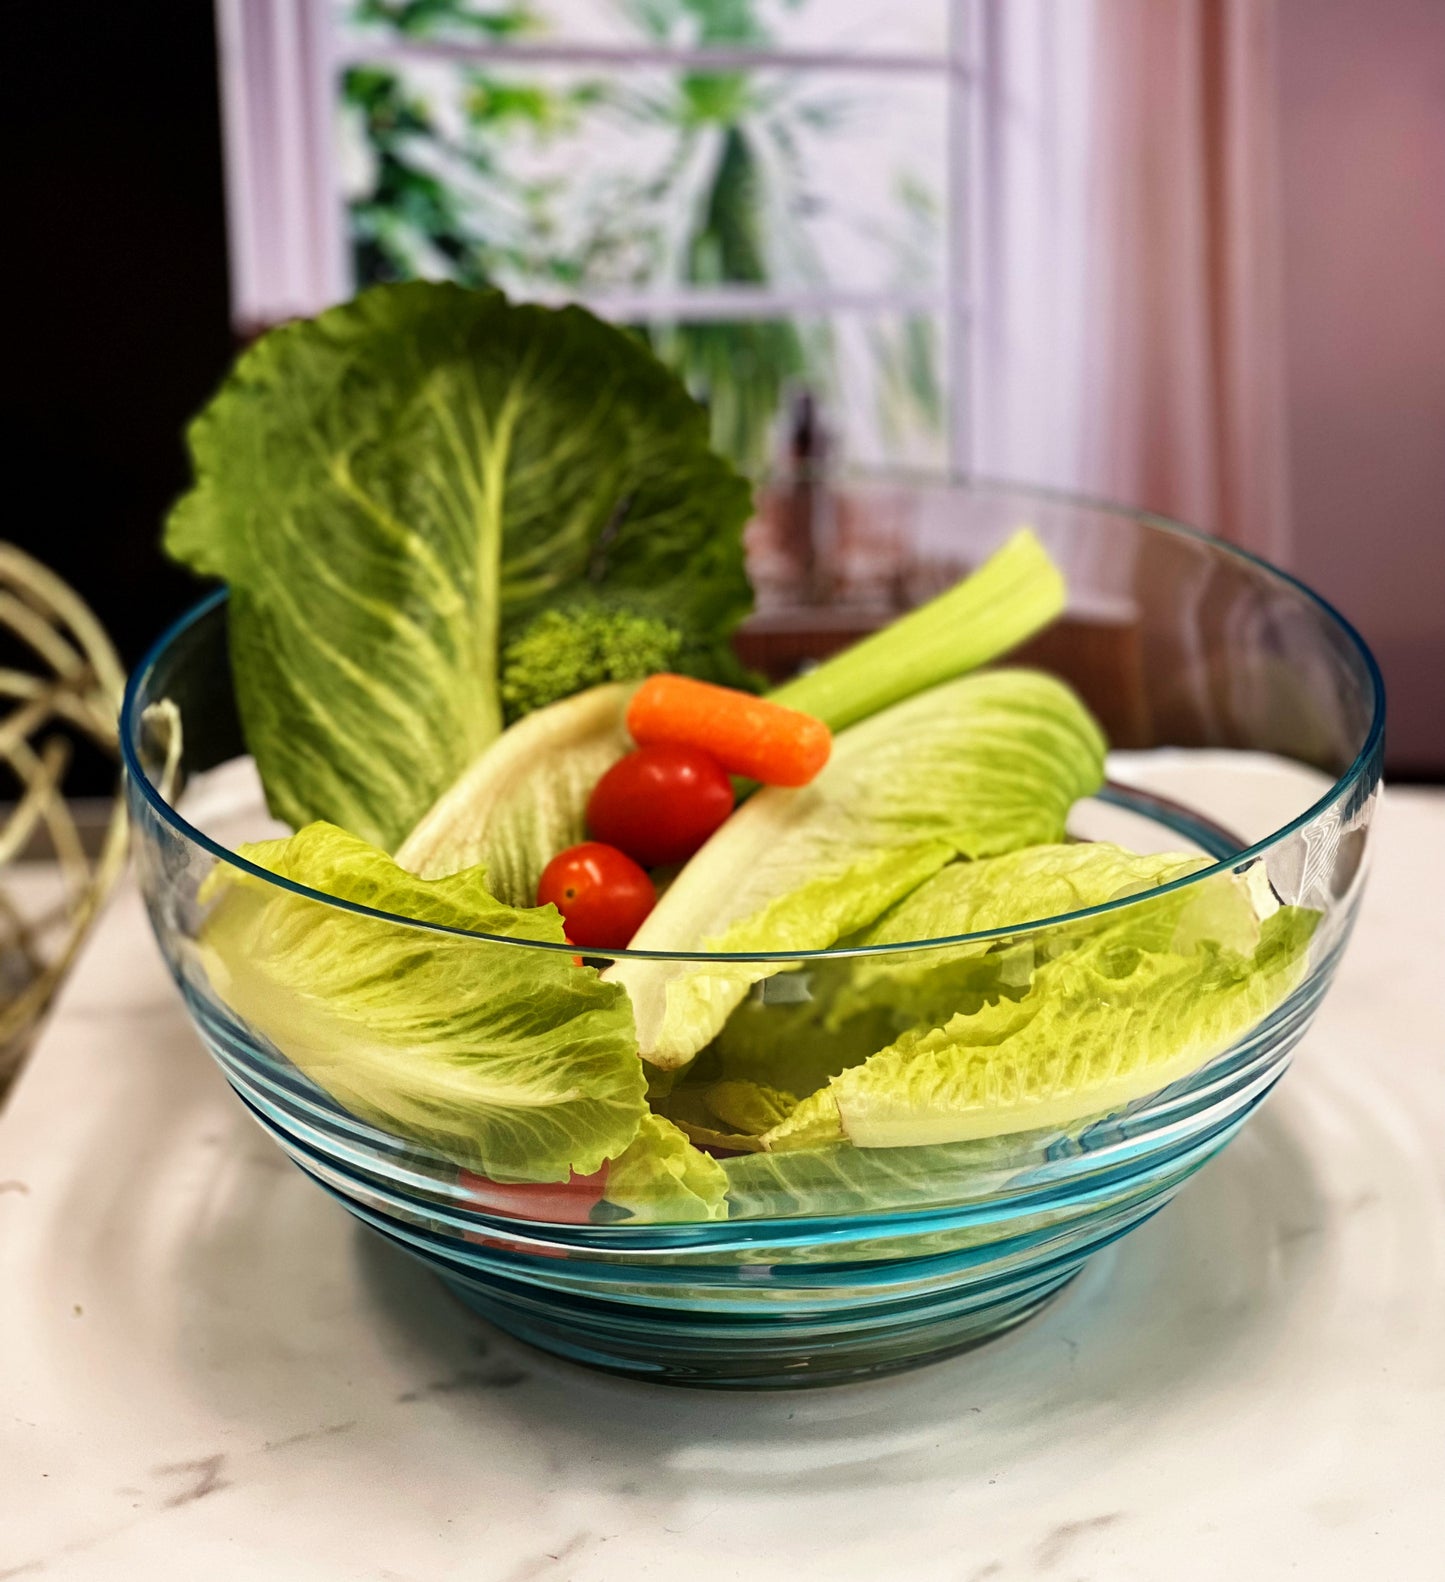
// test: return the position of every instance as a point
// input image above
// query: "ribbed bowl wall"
(769, 1302)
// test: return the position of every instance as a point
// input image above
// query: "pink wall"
(1363, 177)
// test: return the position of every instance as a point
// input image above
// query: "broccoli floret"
(562, 651)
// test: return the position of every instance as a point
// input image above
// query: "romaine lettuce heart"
(525, 798)
(796, 1045)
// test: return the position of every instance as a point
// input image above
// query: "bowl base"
(714, 1356)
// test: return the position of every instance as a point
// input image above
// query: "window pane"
(538, 177)
(779, 234)
(835, 26)
(818, 392)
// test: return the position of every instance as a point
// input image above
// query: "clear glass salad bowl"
(1246, 719)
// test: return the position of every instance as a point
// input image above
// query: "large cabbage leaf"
(971, 768)
(510, 1061)
(385, 485)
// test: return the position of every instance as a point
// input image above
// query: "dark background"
(117, 325)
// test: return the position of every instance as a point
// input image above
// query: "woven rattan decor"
(61, 683)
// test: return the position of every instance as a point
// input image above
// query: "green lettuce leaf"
(843, 1179)
(662, 1178)
(726, 1112)
(970, 768)
(509, 1061)
(1020, 887)
(749, 1107)
(1023, 886)
(1123, 1013)
(387, 485)
(524, 799)
(797, 1043)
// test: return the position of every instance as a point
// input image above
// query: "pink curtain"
(1184, 357)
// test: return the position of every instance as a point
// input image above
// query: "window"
(775, 192)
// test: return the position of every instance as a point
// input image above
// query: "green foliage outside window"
(444, 192)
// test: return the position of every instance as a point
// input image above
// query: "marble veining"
(1055, 1545)
(499, 1376)
(198, 1478)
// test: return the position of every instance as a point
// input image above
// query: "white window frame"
(280, 64)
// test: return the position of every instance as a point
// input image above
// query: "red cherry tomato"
(601, 893)
(568, 1202)
(659, 804)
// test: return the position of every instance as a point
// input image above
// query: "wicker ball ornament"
(67, 686)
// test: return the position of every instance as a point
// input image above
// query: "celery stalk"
(1017, 591)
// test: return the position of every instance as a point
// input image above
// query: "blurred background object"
(1186, 254)
(61, 683)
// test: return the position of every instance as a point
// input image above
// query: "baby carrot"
(748, 736)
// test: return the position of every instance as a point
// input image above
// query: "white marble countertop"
(207, 1370)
